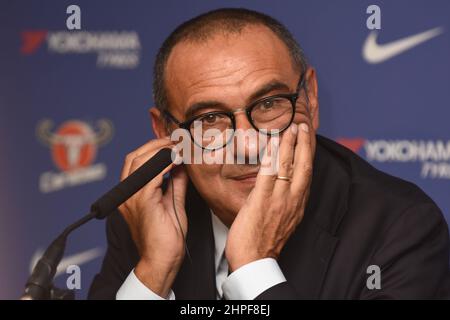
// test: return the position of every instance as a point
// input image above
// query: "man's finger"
(285, 161)
(303, 161)
(265, 180)
(155, 145)
(177, 190)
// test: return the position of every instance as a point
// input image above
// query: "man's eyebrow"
(267, 88)
(261, 92)
(194, 108)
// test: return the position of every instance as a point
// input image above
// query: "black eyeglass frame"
(293, 97)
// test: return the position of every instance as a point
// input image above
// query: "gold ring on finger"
(284, 178)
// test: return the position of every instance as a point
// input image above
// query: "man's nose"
(242, 121)
(246, 139)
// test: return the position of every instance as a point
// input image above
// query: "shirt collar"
(220, 232)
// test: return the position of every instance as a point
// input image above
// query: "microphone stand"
(39, 285)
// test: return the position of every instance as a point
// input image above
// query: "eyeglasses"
(269, 115)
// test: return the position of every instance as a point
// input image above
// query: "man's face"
(231, 70)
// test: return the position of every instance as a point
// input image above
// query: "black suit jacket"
(356, 216)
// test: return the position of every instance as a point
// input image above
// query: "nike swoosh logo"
(76, 259)
(377, 53)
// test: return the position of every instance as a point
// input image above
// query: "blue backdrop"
(74, 103)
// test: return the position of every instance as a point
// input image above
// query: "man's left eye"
(266, 104)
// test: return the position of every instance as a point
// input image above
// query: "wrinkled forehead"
(226, 65)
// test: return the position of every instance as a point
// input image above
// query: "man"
(318, 228)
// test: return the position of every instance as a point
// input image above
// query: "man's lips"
(246, 177)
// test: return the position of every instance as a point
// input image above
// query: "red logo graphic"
(74, 144)
(353, 144)
(32, 40)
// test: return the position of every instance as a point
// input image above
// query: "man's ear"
(158, 123)
(312, 91)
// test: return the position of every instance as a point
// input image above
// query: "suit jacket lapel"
(305, 258)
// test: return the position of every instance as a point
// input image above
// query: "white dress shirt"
(245, 283)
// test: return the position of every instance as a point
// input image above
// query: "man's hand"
(275, 207)
(152, 221)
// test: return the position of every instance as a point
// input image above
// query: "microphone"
(132, 184)
(39, 284)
